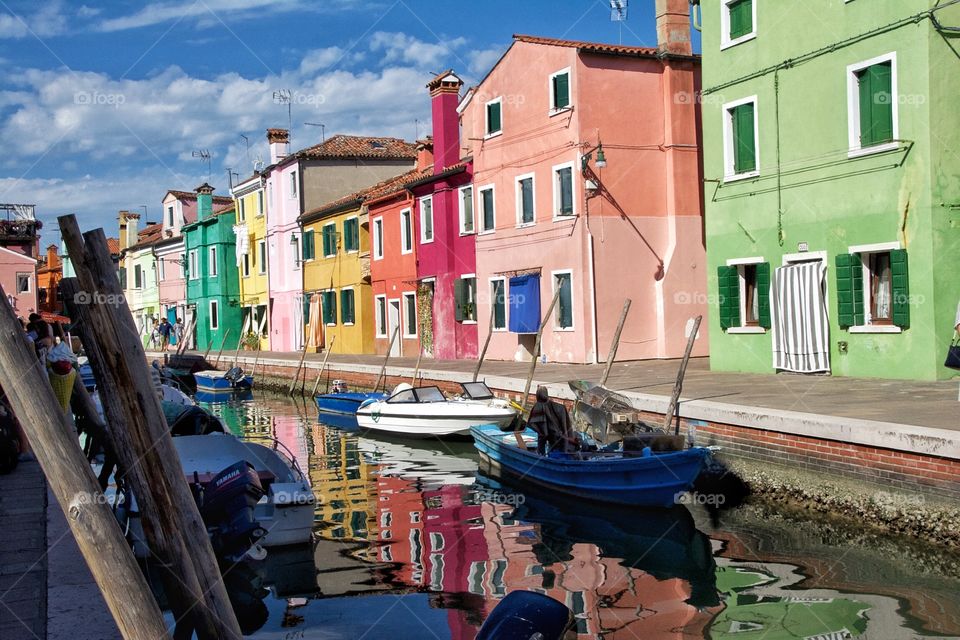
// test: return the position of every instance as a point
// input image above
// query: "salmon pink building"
(586, 180)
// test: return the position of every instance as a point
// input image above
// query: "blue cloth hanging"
(525, 303)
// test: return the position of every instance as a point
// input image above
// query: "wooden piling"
(533, 364)
(416, 369)
(616, 342)
(74, 486)
(678, 385)
(386, 359)
(326, 356)
(144, 447)
(486, 343)
(226, 334)
(296, 374)
(187, 335)
(256, 360)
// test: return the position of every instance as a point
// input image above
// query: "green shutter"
(351, 236)
(526, 199)
(346, 306)
(561, 91)
(728, 286)
(329, 307)
(741, 18)
(493, 117)
(499, 305)
(308, 245)
(565, 301)
(763, 293)
(876, 104)
(306, 309)
(744, 140)
(123, 277)
(459, 298)
(488, 219)
(849, 290)
(900, 288)
(565, 176)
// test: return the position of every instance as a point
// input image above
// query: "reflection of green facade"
(210, 294)
(827, 182)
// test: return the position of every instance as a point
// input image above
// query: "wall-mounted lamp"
(600, 163)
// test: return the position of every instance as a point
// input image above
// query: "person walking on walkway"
(165, 330)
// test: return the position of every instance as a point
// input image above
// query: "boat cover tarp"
(525, 303)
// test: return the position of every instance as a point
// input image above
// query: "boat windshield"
(476, 391)
(420, 394)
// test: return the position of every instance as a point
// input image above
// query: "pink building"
(556, 210)
(444, 223)
(19, 251)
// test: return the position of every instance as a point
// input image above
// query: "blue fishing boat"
(223, 381)
(641, 478)
(340, 409)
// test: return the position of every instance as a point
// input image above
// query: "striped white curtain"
(798, 315)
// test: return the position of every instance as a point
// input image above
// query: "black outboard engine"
(523, 615)
(227, 506)
(236, 377)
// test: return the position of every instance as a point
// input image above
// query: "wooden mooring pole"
(143, 443)
(74, 486)
(223, 342)
(533, 364)
(678, 385)
(386, 359)
(326, 356)
(486, 343)
(296, 375)
(616, 342)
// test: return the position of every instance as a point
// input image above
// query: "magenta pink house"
(587, 181)
(444, 228)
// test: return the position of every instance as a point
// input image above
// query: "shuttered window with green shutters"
(306, 309)
(728, 281)
(464, 295)
(849, 268)
(561, 90)
(744, 138)
(763, 293)
(564, 282)
(741, 18)
(486, 202)
(493, 117)
(564, 179)
(351, 234)
(525, 188)
(901, 288)
(329, 240)
(123, 277)
(308, 249)
(347, 310)
(499, 304)
(876, 104)
(329, 303)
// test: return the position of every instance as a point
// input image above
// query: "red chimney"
(445, 95)
(673, 27)
(424, 153)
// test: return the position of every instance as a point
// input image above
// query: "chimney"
(52, 258)
(424, 153)
(204, 201)
(128, 229)
(673, 27)
(279, 140)
(444, 96)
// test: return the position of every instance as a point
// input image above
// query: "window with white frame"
(245, 266)
(23, 282)
(872, 105)
(380, 315)
(194, 267)
(563, 314)
(293, 184)
(212, 262)
(525, 200)
(409, 315)
(493, 117)
(406, 231)
(161, 269)
(241, 209)
(488, 218)
(744, 288)
(560, 90)
(260, 203)
(137, 277)
(262, 257)
(738, 22)
(426, 219)
(873, 289)
(214, 315)
(170, 220)
(295, 251)
(465, 298)
(466, 210)
(377, 238)
(182, 262)
(498, 303)
(741, 149)
(563, 190)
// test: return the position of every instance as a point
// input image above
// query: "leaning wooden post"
(533, 364)
(386, 359)
(73, 484)
(296, 374)
(416, 369)
(326, 356)
(226, 335)
(678, 386)
(236, 355)
(486, 343)
(616, 342)
(256, 360)
(187, 336)
(206, 353)
(144, 446)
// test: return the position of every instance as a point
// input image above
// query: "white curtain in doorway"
(798, 313)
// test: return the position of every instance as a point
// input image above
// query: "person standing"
(178, 331)
(165, 330)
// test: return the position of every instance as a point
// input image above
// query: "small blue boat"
(222, 381)
(340, 409)
(86, 375)
(651, 480)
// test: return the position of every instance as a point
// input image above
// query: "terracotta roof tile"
(190, 195)
(113, 244)
(343, 146)
(590, 47)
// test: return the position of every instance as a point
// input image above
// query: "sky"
(104, 105)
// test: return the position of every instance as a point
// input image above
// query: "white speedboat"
(425, 411)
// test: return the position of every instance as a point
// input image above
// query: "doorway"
(800, 325)
(393, 321)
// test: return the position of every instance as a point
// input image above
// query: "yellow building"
(336, 257)
(250, 199)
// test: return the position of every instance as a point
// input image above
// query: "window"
(737, 20)
(261, 257)
(245, 267)
(487, 219)
(260, 203)
(328, 302)
(563, 190)
(466, 210)
(329, 236)
(744, 300)
(426, 219)
(525, 213)
(170, 216)
(741, 152)
(381, 317)
(494, 114)
(182, 263)
(214, 315)
(161, 269)
(378, 239)
(308, 249)
(872, 105)
(563, 314)
(498, 303)
(347, 309)
(351, 234)
(560, 90)
(293, 184)
(194, 267)
(137, 277)
(873, 289)
(212, 262)
(296, 251)
(406, 231)
(241, 210)
(465, 297)
(23, 282)
(409, 315)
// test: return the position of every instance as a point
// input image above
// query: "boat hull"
(412, 421)
(340, 409)
(216, 382)
(655, 481)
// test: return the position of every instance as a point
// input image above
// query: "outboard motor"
(524, 615)
(339, 386)
(234, 374)
(227, 506)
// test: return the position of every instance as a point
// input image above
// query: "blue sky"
(103, 103)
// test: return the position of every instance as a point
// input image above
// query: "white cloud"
(400, 47)
(48, 20)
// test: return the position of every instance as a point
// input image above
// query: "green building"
(213, 281)
(831, 143)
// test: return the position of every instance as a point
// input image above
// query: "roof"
(589, 47)
(190, 195)
(343, 146)
(113, 244)
(429, 176)
(149, 235)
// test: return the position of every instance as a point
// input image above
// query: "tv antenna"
(230, 174)
(247, 140)
(285, 96)
(203, 154)
(323, 129)
(618, 14)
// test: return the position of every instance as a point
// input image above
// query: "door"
(393, 322)
(172, 319)
(800, 326)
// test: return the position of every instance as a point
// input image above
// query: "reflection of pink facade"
(637, 234)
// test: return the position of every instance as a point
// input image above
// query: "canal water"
(412, 541)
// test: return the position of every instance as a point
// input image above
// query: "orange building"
(48, 282)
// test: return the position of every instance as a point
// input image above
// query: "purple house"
(444, 222)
